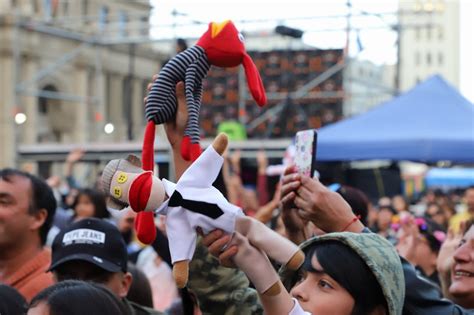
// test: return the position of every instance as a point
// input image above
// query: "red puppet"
(221, 45)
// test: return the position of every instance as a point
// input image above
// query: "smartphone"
(305, 155)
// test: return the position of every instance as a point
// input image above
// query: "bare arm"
(274, 301)
(262, 183)
(281, 303)
(265, 212)
(232, 193)
(294, 225)
(175, 130)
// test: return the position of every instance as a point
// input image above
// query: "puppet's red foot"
(145, 227)
(186, 148)
(195, 151)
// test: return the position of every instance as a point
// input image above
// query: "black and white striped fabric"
(190, 66)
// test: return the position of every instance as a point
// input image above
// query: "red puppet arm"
(145, 221)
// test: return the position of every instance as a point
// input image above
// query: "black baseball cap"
(92, 240)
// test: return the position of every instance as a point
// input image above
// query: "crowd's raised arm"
(70, 254)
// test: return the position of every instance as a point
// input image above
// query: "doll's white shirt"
(297, 310)
(196, 184)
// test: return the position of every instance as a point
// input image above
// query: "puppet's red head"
(224, 47)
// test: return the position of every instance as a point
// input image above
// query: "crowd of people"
(64, 252)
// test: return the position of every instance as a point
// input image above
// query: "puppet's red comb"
(254, 81)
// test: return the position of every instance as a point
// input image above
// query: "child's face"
(318, 293)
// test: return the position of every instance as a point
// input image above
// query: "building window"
(47, 9)
(145, 93)
(65, 7)
(440, 58)
(428, 59)
(417, 33)
(103, 17)
(85, 7)
(43, 102)
(417, 58)
(440, 33)
(35, 6)
(428, 33)
(144, 25)
(108, 95)
(123, 20)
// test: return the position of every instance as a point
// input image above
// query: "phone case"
(306, 152)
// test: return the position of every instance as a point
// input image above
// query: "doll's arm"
(182, 239)
(273, 244)
(196, 72)
(204, 171)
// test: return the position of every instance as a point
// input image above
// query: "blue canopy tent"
(450, 177)
(432, 122)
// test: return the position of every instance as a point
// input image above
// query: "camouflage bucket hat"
(379, 255)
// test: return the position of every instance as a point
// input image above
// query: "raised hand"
(175, 127)
(325, 208)
(445, 256)
(294, 224)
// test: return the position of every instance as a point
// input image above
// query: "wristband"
(354, 219)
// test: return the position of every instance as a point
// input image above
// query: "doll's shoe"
(195, 151)
(145, 227)
(186, 148)
(296, 261)
(181, 272)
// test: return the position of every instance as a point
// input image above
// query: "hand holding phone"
(305, 157)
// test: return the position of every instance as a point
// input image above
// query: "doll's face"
(157, 196)
(145, 189)
(224, 44)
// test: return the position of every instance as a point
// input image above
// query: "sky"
(325, 29)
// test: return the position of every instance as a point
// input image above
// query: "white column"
(138, 109)
(29, 130)
(81, 125)
(116, 109)
(7, 106)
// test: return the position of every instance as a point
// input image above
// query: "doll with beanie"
(193, 202)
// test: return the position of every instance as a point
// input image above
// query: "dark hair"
(428, 229)
(73, 297)
(98, 200)
(467, 189)
(11, 302)
(357, 199)
(140, 290)
(42, 198)
(469, 224)
(181, 44)
(349, 270)
(433, 204)
(96, 274)
(389, 208)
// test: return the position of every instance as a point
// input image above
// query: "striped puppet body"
(190, 66)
